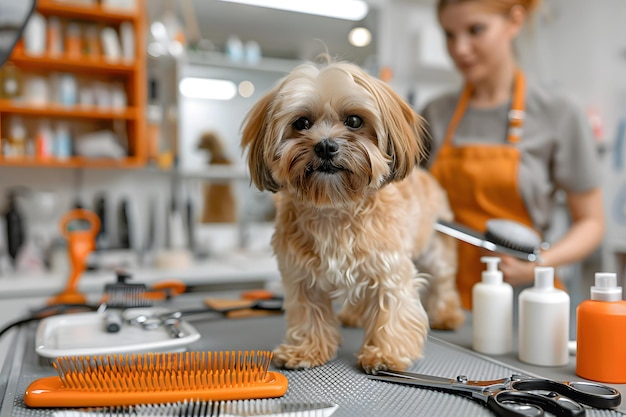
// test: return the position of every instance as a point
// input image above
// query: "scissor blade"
(418, 377)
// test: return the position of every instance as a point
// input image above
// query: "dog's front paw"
(373, 359)
(298, 357)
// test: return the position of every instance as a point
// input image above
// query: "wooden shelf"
(97, 13)
(56, 110)
(131, 73)
(51, 63)
(73, 162)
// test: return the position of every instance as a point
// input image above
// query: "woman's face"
(478, 40)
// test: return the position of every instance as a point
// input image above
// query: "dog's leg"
(395, 321)
(351, 315)
(442, 300)
(312, 329)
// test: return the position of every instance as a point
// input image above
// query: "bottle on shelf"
(55, 37)
(43, 140)
(16, 144)
(62, 141)
(11, 81)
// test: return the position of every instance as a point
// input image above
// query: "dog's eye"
(353, 122)
(302, 124)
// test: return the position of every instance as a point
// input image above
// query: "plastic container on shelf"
(62, 141)
(35, 35)
(55, 36)
(601, 332)
(544, 322)
(73, 40)
(11, 81)
(492, 311)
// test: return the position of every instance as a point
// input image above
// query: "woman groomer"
(501, 147)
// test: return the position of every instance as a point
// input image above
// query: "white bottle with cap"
(492, 311)
(544, 313)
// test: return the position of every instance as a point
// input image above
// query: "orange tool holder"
(81, 242)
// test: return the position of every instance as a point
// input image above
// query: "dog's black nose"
(326, 148)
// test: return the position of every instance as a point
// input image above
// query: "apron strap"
(516, 113)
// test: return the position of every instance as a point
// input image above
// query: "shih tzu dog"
(354, 217)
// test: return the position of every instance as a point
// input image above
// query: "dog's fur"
(352, 217)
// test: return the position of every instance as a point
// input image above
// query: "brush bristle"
(126, 296)
(163, 371)
(239, 408)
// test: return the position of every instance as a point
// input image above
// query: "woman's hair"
(496, 6)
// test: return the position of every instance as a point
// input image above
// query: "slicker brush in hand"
(152, 378)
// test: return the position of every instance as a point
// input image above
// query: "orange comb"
(154, 378)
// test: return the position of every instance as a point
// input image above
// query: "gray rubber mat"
(339, 381)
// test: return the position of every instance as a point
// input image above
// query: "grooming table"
(339, 381)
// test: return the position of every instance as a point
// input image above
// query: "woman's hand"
(516, 271)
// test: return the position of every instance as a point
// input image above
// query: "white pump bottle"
(492, 311)
(544, 313)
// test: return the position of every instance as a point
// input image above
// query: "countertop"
(233, 267)
(340, 381)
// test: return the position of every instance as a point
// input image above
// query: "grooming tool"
(502, 236)
(240, 408)
(81, 242)
(170, 321)
(518, 395)
(119, 296)
(153, 378)
(251, 304)
(84, 334)
(123, 294)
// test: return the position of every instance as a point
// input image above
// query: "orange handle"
(50, 392)
(80, 244)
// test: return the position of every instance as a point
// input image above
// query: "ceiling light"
(360, 37)
(246, 88)
(207, 88)
(340, 9)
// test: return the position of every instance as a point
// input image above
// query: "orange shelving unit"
(131, 74)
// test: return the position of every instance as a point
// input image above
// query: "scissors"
(518, 395)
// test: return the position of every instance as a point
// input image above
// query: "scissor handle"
(589, 393)
(513, 403)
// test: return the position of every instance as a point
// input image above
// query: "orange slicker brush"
(153, 378)
(80, 244)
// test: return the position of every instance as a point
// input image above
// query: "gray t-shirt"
(557, 145)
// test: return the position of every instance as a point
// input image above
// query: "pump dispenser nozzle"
(492, 275)
(606, 288)
(544, 278)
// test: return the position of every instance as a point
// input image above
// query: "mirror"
(13, 17)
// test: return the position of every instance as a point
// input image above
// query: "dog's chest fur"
(341, 249)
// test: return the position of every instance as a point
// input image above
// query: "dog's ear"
(255, 139)
(405, 142)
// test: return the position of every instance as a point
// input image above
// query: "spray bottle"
(601, 332)
(544, 322)
(492, 311)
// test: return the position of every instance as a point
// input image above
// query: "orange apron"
(482, 183)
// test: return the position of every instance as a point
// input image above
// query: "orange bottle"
(601, 332)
